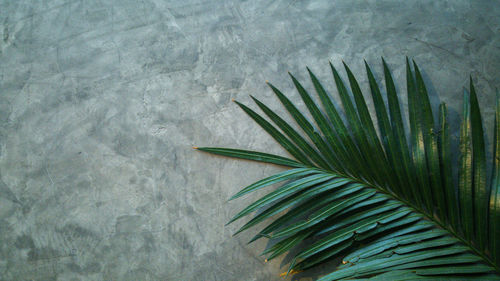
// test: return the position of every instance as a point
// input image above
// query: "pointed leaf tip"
(384, 63)
(415, 65)
(195, 147)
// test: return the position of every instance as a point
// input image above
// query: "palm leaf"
(385, 205)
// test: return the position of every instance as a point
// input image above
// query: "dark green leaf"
(282, 192)
(444, 270)
(338, 236)
(465, 188)
(369, 129)
(347, 217)
(279, 137)
(320, 120)
(252, 155)
(318, 258)
(286, 175)
(446, 172)
(357, 128)
(308, 129)
(387, 135)
(481, 191)
(286, 244)
(302, 209)
(383, 244)
(430, 144)
(294, 136)
(378, 265)
(300, 197)
(324, 213)
(401, 144)
(417, 140)
(340, 129)
(398, 219)
(494, 214)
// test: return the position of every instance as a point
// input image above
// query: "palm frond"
(386, 204)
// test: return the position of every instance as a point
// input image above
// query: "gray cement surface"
(101, 101)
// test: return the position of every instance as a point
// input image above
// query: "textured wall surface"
(101, 101)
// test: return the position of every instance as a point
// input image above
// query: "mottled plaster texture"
(101, 102)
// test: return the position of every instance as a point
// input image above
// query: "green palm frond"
(387, 205)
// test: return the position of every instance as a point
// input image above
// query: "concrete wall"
(101, 101)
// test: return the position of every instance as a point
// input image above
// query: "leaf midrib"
(421, 211)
